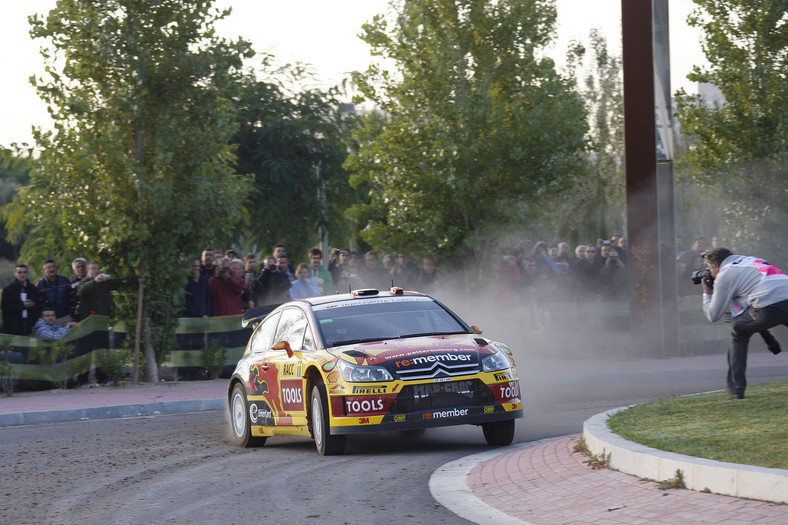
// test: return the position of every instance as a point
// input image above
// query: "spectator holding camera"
(756, 293)
(226, 287)
(612, 274)
(272, 286)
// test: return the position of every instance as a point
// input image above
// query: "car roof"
(255, 314)
(355, 295)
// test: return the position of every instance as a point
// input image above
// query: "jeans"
(753, 321)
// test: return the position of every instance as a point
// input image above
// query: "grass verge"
(752, 431)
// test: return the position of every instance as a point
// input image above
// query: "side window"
(291, 328)
(262, 339)
(309, 341)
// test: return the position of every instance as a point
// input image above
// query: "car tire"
(326, 444)
(240, 425)
(499, 433)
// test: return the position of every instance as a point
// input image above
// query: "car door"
(262, 385)
(292, 328)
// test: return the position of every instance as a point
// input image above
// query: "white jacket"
(745, 279)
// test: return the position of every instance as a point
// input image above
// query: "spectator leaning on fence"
(47, 328)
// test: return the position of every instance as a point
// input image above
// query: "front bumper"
(431, 418)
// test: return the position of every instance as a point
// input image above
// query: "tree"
(14, 173)
(595, 207)
(136, 172)
(740, 147)
(478, 124)
(285, 138)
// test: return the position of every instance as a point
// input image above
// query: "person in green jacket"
(318, 274)
(95, 292)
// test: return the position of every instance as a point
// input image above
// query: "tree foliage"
(595, 207)
(740, 148)
(137, 171)
(14, 174)
(286, 137)
(477, 125)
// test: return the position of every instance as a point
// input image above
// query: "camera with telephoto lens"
(703, 276)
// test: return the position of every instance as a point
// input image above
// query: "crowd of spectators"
(220, 283)
(54, 305)
(542, 272)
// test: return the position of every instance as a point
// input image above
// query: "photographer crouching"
(757, 294)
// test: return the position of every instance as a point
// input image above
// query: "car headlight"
(495, 362)
(363, 374)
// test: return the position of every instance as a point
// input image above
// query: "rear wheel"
(326, 444)
(239, 420)
(499, 433)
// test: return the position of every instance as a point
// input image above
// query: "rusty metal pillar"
(653, 321)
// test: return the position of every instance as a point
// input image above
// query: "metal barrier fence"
(95, 334)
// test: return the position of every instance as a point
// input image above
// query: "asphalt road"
(181, 468)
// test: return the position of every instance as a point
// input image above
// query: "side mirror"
(476, 329)
(283, 345)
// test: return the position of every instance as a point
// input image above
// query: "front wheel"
(326, 444)
(499, 433)
(239, 420)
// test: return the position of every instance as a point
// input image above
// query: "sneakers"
(775, 348)
(736, 396)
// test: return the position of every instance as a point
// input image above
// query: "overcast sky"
(322, 33)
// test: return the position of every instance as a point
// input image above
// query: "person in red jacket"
(226, 288)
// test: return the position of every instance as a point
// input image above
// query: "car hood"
(421, 357)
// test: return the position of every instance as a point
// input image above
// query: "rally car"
(369, 361)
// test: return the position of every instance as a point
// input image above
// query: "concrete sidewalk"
(549, 483)
(104, 402)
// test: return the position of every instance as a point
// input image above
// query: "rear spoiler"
(253, 315)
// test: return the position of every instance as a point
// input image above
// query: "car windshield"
(366, 320)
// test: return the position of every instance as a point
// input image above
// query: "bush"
(214, 358)
(112, 362)
(6, 378)
(55, 358)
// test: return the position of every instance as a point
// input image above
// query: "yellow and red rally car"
(369, 361)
